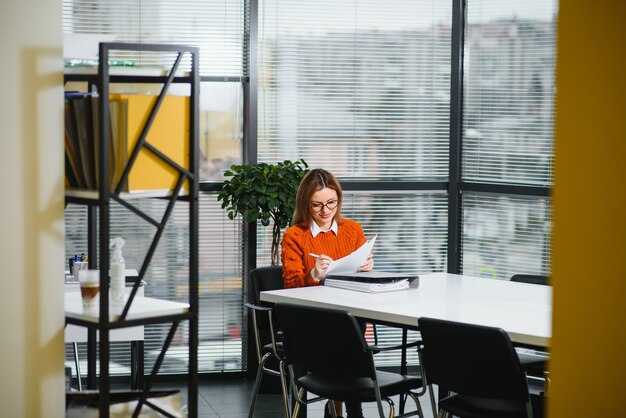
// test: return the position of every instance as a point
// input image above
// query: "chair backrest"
(530, 278)
(472, 360)
(324, 341)
(262, 279)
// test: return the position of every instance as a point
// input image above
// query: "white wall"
(31, 209)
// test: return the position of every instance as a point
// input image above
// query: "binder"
(373, 277)
(169, 133)
(368, 287)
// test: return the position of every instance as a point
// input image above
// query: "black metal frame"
(102, 204)
(454, 185)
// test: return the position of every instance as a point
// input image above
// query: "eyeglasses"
(330, 205)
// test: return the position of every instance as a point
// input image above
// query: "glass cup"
(89, 287)
(77, 267)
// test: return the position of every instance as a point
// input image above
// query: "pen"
(314, 255)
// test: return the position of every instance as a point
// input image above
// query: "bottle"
(118, 267)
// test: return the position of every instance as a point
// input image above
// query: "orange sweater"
(298, 242)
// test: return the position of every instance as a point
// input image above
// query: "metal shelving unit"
(139, 310)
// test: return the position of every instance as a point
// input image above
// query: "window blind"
(357, 88)
(411, 228)
(363, 91)
(412, 238)
(507, 135)
(218, 28)
(505, 235)
(221, 322)
(509, 92)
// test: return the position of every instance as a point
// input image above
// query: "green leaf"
(262, 191)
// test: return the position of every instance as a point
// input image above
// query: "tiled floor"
(230, 398)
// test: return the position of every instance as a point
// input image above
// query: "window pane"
(357, 88)
(221, 128)
(504, 235)
(509, 91)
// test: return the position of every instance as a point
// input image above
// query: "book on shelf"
(169, 134)
(80, 137)
(117, 158)
(73, 173)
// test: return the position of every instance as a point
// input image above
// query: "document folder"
(372, 281)
(368, 287)
(373, 277)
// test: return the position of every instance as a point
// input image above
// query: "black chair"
(530, 278)
(263, 322)
(327, 350)
(478, 367)
(534, 362)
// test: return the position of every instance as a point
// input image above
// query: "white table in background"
(78, 334)
(141, 308)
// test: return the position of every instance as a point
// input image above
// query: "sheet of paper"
(352, 262)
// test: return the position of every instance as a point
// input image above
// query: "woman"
(318, 236)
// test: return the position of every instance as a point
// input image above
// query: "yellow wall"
(589, 268)
(31, 209)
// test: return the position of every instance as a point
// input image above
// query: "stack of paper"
(368, 287)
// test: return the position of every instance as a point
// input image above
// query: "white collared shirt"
(315, 229)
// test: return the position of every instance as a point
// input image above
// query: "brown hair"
(313, 181)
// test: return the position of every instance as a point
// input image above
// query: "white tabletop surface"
(78, 334)
(523, 310)
(142, 307)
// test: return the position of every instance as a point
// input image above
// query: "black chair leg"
(418, 405)
(257, 383)
(296, 408)
(283, 384)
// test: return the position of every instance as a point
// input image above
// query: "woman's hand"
(369, 264)
(321, 265)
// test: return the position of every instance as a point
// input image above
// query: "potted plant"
(265, 192)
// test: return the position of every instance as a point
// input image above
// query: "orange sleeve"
(295, 274)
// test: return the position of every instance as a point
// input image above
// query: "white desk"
(523, 310)
(78, 334)
(141, 308)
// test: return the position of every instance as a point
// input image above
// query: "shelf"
(141, 308)
(126, 74)
(93, 195)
